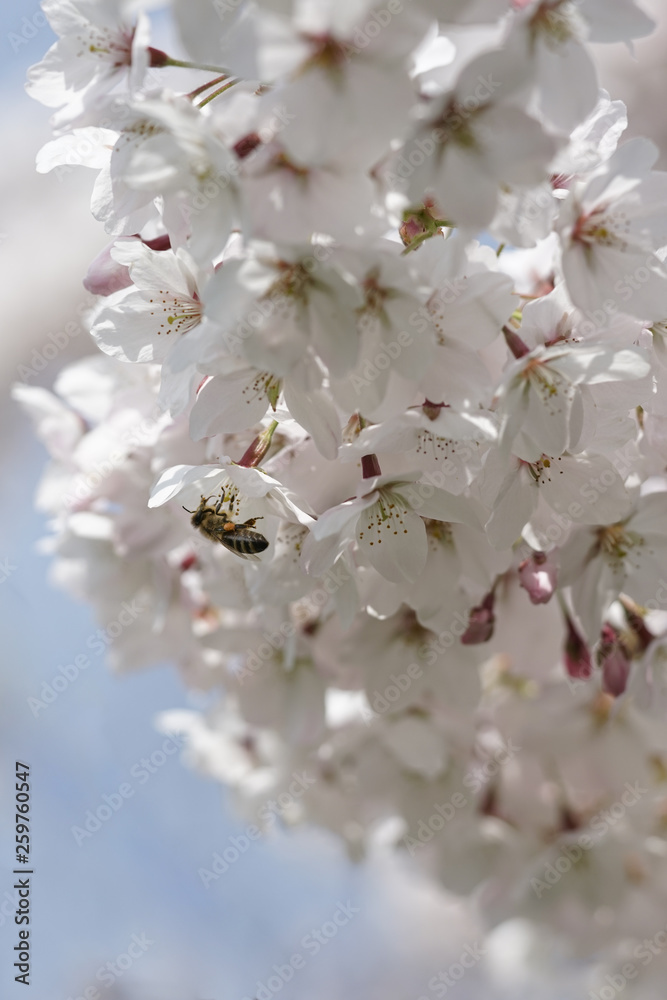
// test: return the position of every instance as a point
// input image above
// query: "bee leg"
(250, 523)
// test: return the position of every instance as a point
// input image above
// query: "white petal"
(393, 539)
(175, 479)
(513, 508)
(587, 490)
(336, 519)
(440, 505)
(228, 404)
(317, 414)
(651, 516)
(88, 147)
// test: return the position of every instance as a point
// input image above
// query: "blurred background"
(137, 877)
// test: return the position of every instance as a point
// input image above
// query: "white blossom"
(387, 299)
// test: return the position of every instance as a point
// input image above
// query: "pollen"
(602, 227)
(618, 544)
(264, 384)
(439, 449)
(174, 315)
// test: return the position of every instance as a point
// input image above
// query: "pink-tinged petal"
(538, 576)
(393, 539)
(155, 270)
(105, 275)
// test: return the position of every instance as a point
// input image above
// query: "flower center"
(542, 470)
(602, 228)
(266, 384)
(455, 122)
(110, 46)
(293, 280)
(185, 315)
(556, 22)
(615, 541)
(439, 531)
(327, 53)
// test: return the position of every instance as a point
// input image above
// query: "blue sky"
(138, 873)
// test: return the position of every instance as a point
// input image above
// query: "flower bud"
(481, 622)
(538, 576)
(613, 657)
(577, 655)
(105, 275)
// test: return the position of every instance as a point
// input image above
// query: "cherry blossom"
(386, 286)
(627, 555)
(387, 513)
(612, 228)
(97, 47)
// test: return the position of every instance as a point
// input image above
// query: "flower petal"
(393, 538)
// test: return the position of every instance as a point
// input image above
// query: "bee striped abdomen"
(238, 538)
(242, 540)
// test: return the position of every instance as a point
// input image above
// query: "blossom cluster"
(384, 308)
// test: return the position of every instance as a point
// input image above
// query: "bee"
(217, 526)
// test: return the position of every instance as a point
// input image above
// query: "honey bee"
(217, 526)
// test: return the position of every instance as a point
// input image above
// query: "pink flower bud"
(577, 655)
(481, 622)
(246, 145)
(370, 467)
(615, 671)
(515, 343)
(411, 229)
(105, 275)
(612, 656)
(538, 576)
